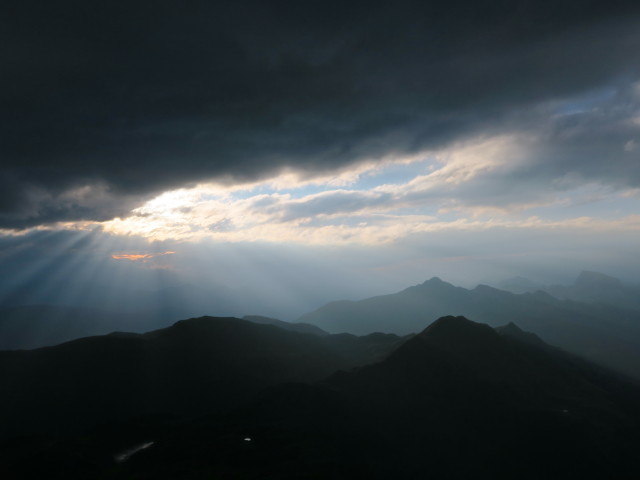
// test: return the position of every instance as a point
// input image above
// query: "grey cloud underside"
(136, 98)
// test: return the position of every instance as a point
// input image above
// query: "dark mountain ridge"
(294, 327)
(34, 326)
(463, 400)
(458, 400)
(196, 365)
(498, 361)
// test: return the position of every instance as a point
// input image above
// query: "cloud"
(472, 186)
(105, 107)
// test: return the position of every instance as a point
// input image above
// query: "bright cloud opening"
(464, 186)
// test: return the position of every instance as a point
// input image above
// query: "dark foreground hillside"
(459, 400)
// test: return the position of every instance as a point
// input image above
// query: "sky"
(270, 156)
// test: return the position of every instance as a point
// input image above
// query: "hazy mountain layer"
(590, 287)
(598, 287)
(603, 333)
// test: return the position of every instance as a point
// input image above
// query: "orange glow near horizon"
(143, 257)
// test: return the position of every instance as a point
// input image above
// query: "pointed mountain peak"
(433, 286)
(433, 281)
(457, 337)
(512, 330)
(451, 327)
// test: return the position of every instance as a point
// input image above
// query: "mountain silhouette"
(600, 332)
(458, 400)
(454, 354)
(462, 400)
(34, 326)
(197, 365)
(460, 390)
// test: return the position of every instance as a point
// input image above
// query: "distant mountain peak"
(434, 285)
(434, 281)
(596, 279)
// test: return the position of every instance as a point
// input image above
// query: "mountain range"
(604, 333)
(576, 318)
(589, 287)
(34, 326)
(226, 398)
(123, 374)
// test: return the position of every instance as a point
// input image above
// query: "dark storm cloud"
(106, 103)
(600, 143)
